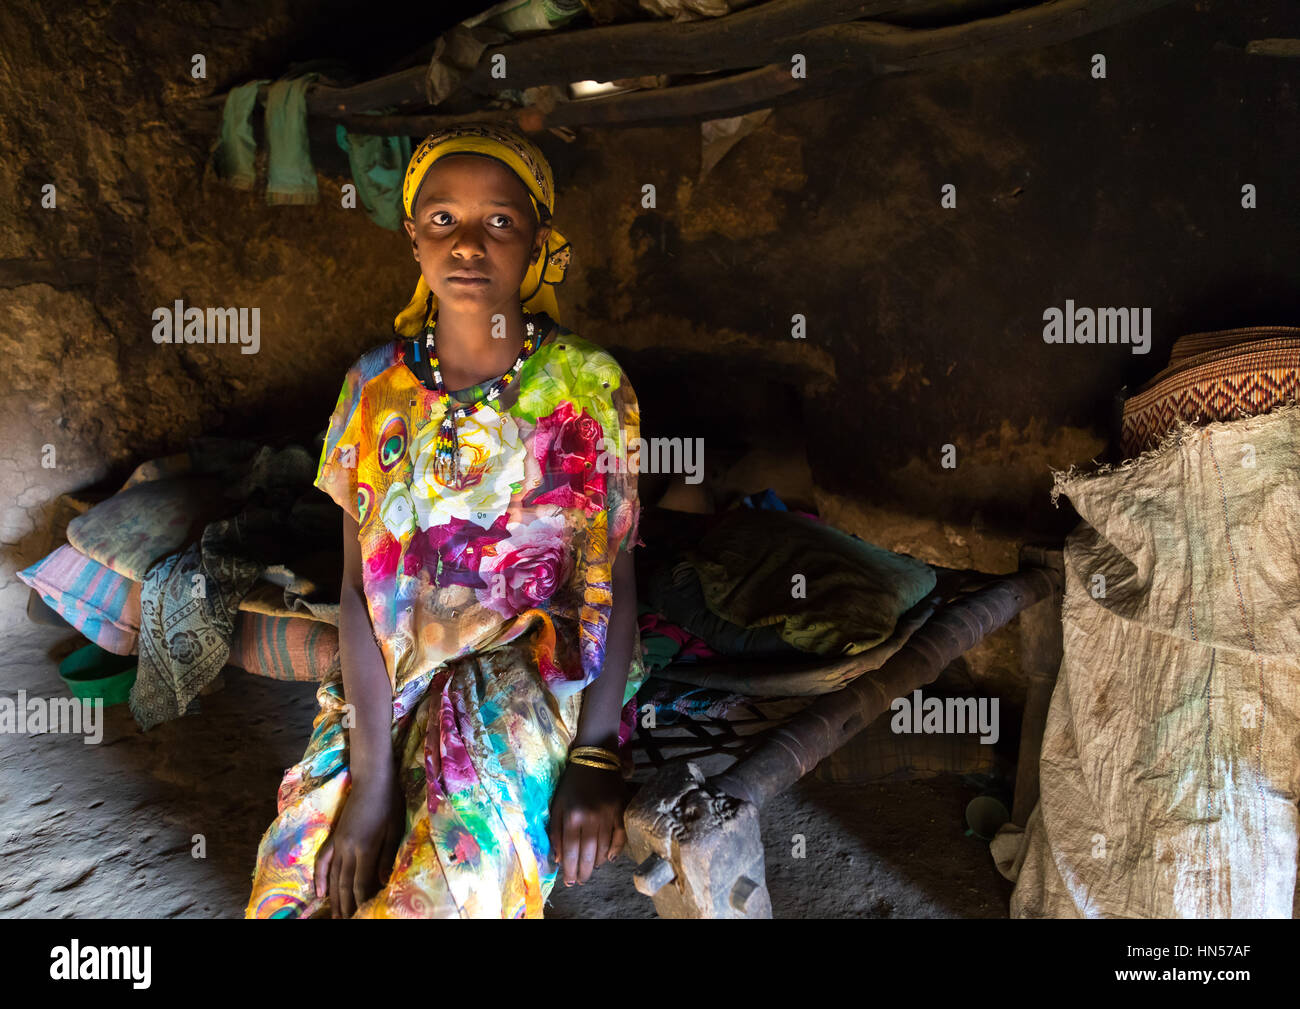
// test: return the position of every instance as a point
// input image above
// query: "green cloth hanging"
(378, 167)
(291, 178)
(234, 159)
(378, 164)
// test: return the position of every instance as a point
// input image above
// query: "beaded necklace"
(447, 460)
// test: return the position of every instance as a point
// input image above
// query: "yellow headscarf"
(536, 293)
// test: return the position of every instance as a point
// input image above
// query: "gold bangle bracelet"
(603, 758)
(598, 752)
(588, 762)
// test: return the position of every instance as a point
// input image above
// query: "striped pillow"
(100, 603)
(283, 648)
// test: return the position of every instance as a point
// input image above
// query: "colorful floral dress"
(490, 606)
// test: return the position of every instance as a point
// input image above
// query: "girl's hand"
(586, 827)
(362, 846)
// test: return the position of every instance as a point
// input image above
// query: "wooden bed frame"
(696, 838)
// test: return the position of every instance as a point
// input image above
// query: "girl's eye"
(441, 213)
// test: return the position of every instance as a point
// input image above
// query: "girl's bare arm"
(354, 863)
(365, 677)
(602, 700)
(586, 821)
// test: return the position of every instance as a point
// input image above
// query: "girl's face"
(473, 215)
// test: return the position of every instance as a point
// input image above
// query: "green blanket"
(831, 593)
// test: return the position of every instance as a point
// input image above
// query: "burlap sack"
(1172, 750)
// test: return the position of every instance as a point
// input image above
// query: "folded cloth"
(188, 605)
(800, 677)
(291, 178)
(767, 498)
(271, 600)
(675, 593)
(657, 650)
(234, 157)
(245, 466)
(378, 168)
(672, 699)
(190, 601)
(97, 601)
(663, 642)
(830, 593)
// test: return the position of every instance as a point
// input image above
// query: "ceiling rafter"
(757, 44)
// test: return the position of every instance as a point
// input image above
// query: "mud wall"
(923, 322)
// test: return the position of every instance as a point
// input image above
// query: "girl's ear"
(409, 225)
(540, 236)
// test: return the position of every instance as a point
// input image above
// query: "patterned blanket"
(189, 601)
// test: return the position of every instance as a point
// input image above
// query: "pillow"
(283, 648)
(139, 526)
(98, 602)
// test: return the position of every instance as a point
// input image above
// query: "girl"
(464, 753)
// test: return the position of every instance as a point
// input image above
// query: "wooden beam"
(703, 46)
(406, 87)
(766, 36)
(1273, 47)
(682, 42)
(856, 52)
(707, 100)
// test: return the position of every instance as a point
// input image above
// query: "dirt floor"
(108, 830)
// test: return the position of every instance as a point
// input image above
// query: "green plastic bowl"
(985, 815)
(92, 672)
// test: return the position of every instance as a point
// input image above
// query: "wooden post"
(1041, 650)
